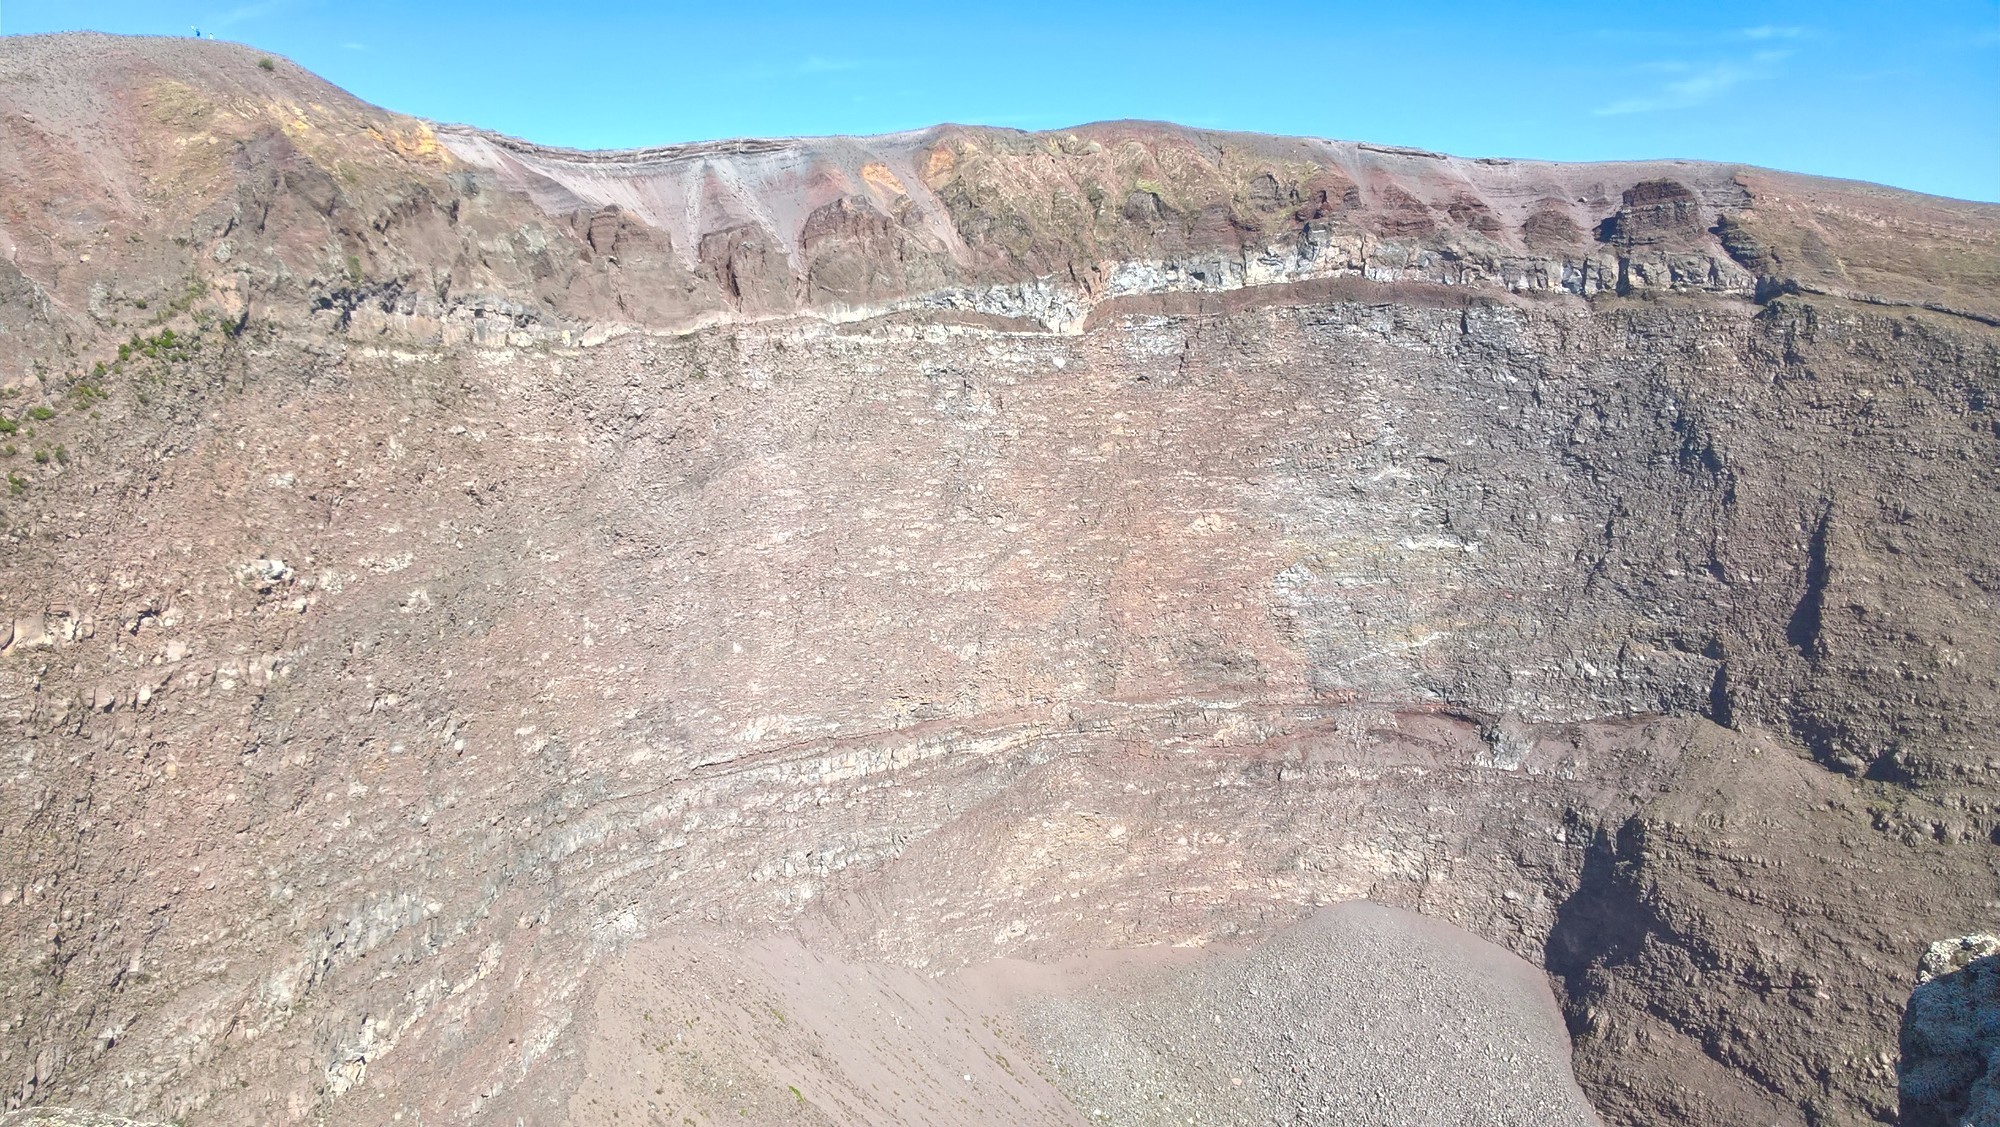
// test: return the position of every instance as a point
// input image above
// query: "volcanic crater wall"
(437, 564)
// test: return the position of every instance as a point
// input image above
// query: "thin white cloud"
(1685, 93)
(1677, 84)
(818, 64)
(1698, 84)
(243, 13)
(1647, 38)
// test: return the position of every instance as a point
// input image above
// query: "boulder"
(1949, 1075)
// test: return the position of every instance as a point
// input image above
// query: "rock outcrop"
(1950, 1067)
(68, 1117)
(440, 570)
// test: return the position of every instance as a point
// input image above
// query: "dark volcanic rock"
(1950, 1067)
(1656, 213)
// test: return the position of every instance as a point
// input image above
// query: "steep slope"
(442, 572)
(159, 158)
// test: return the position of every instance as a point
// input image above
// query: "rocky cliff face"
(1951, 1035)
(442, 571)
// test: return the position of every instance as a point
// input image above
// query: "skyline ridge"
(1844, 90)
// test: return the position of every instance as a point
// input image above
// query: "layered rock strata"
(440, 569)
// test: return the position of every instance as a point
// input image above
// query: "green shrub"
(41, 414)
(166, 345)
(265, 63)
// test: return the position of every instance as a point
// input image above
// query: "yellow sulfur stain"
(290, 118)
(179, 105)
(940, 166)
(418, 142)
(877, 175)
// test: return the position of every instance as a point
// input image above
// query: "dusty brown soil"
(1358, 1013)
(464, 606)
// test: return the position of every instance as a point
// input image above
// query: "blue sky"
(1901, 93)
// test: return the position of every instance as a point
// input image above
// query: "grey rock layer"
(1358, 1014)
(1950, 1070)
